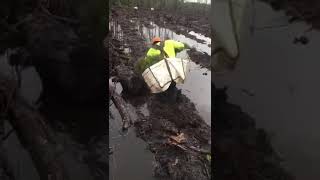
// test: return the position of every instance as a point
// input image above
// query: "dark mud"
(242, 151)
(81, 131)
(200, 58)
(307, 11)
(162, 120)
(60, 55)
(167, 120)
(184, 23)
(186, 26)
(178, 21)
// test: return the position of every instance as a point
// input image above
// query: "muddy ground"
(164, 119)
(242, 151)
(45, 50)
(307, 11)
(180, 23)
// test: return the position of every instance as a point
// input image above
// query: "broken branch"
(120, 105)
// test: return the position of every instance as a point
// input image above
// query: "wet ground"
(306, 11)
(84, 152)
(280, 77)
(127, 149)
(153, 125)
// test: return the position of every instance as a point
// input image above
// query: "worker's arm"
(178, 46)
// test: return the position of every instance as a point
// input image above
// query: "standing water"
(282, 77)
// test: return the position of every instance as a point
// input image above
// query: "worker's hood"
(228, 27)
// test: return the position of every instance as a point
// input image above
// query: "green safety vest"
(154, 55)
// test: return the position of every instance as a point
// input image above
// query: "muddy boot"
(173, 93)
(168, 96)
(162, 97)
(178, 95)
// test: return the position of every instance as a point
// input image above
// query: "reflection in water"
(115, 30)
(117, 33)
(198, 89)
(283, 77)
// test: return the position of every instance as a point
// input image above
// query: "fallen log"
(120, 105)
(33, 132)
(38, 139)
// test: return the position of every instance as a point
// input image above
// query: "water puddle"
(283, 77)
(207, 40)
(130, 158)
(197, 88)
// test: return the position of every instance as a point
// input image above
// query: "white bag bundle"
(158, 77)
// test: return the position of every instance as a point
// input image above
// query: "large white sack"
(158, 78)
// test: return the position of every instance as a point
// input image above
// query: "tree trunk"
(39, 140)
(33, 132)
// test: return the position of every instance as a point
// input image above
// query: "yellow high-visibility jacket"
(154, 55)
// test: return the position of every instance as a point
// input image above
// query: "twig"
(206, 170)
(185, 147)
(7, 135)
(199, 150)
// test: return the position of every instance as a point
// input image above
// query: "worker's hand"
(186, 46)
